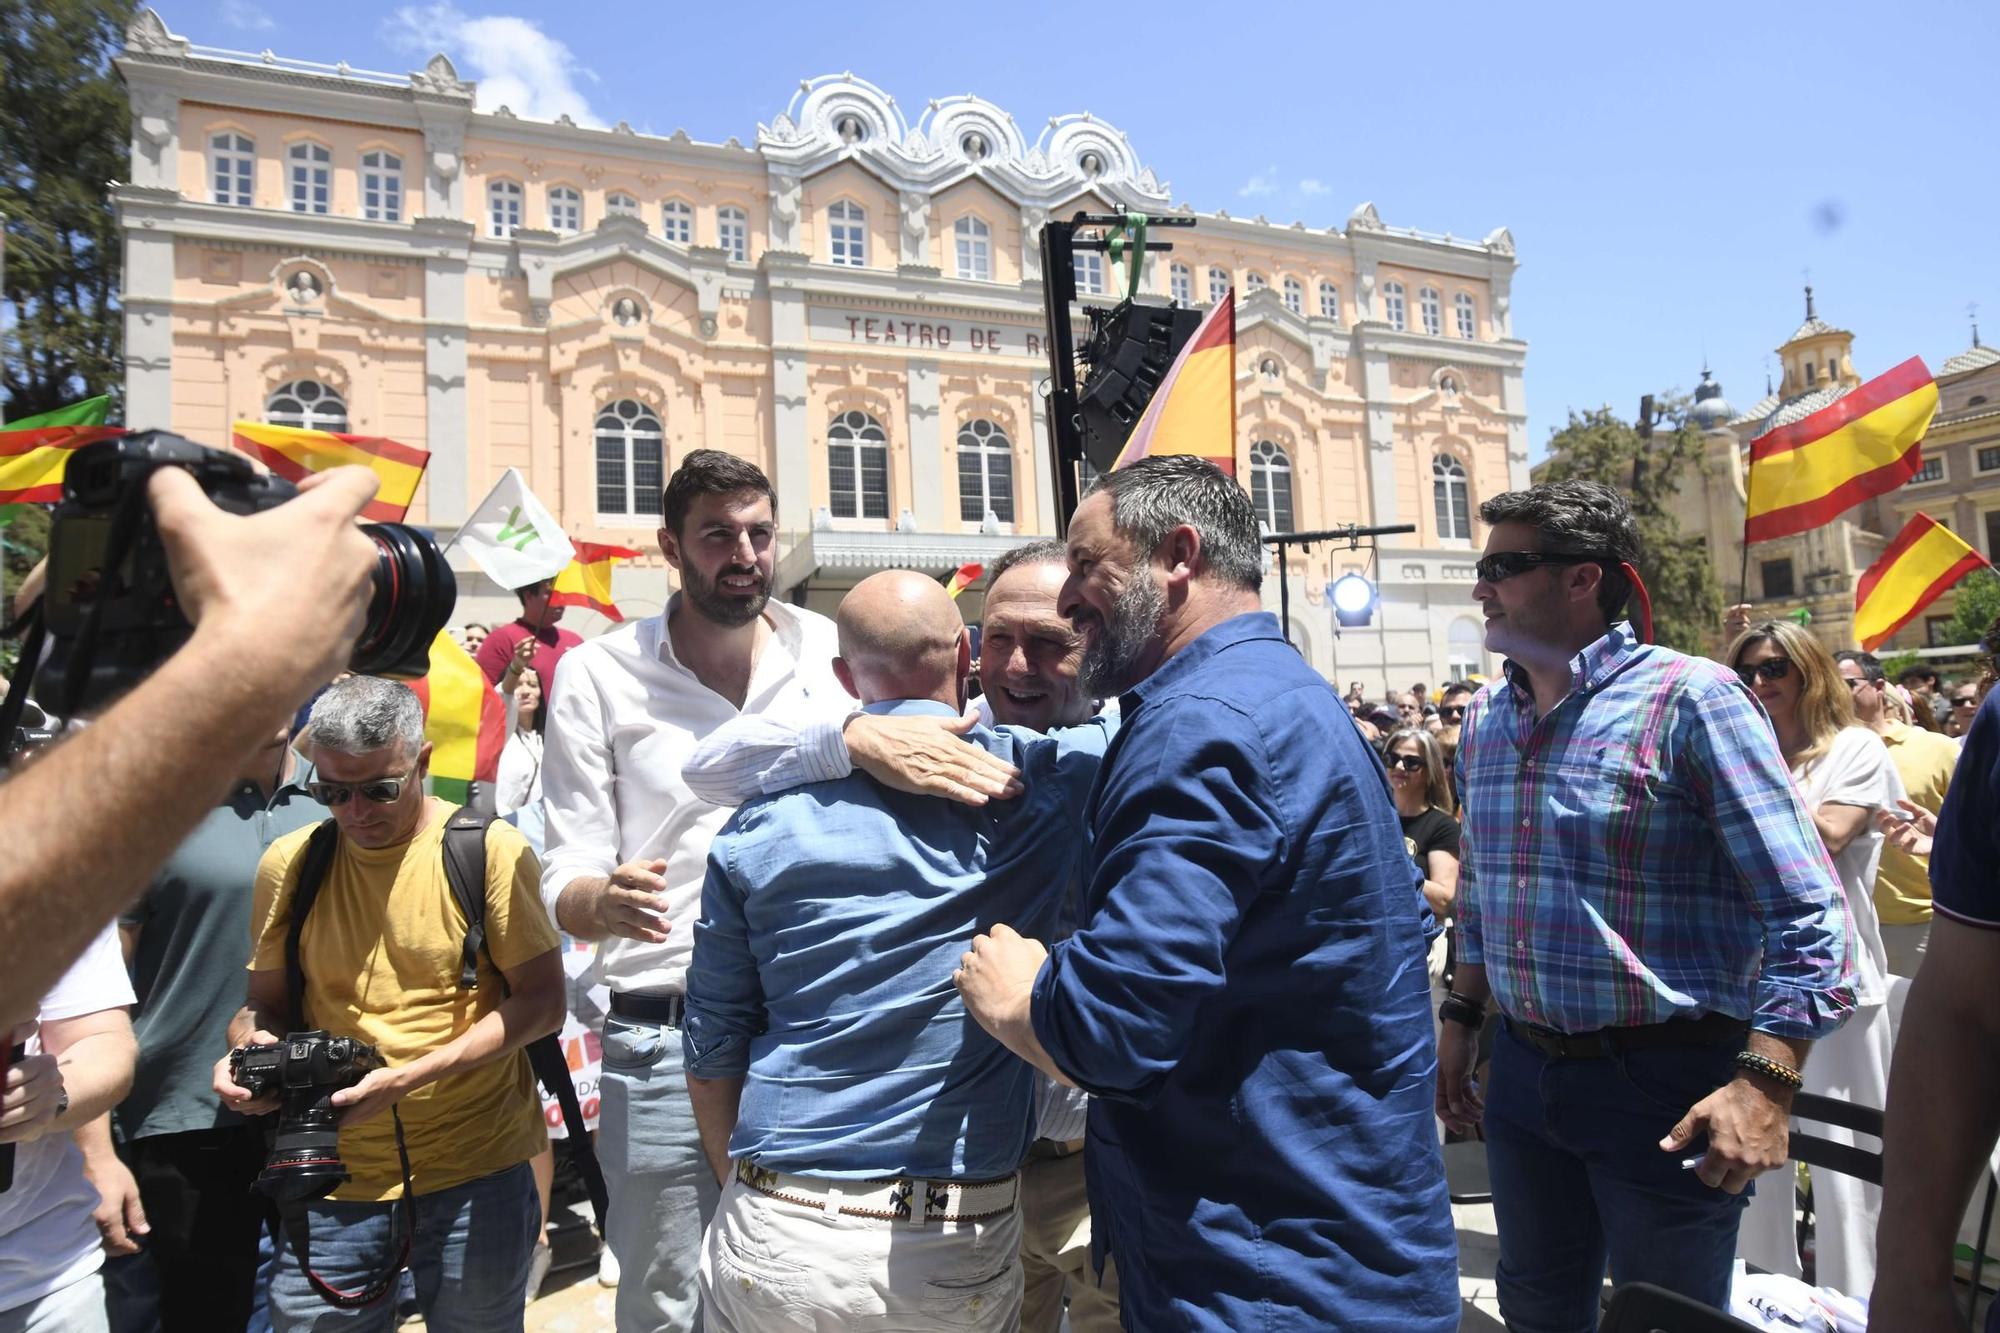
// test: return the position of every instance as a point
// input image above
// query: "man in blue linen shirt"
(1247, 997)
(826, 1049)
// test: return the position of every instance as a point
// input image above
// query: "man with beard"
(1257, 1160)
(628, 841)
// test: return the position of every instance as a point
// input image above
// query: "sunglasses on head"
(382, 791)
(1504, 565)
(1409, 763)
(1776, 668)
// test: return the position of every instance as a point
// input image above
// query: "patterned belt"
(887, 1200)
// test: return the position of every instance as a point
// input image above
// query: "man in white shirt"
(628, 841)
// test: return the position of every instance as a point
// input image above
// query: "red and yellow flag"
(1920, 565)
(1805, 475)
(295, 454)
(964, 577)
(465, 720)
(586, 580)
(1194, 409)
(35, 450)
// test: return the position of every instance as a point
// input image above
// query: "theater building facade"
(852, 299)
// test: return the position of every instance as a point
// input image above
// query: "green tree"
(1975, 605)
(1601, 446)
(63, 137)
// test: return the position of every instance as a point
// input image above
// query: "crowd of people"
(1127, 973)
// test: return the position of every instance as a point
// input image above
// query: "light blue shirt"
(832, 919)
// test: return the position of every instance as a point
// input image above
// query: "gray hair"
(364, 713)
(1041, 551)
(1153, 496)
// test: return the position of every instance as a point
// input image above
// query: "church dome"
(1711, 410)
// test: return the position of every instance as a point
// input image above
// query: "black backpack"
(465, 870)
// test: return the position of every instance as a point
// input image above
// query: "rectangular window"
(1089, 274)
(1777, 576)
(1427, 301)
(382, 187)
(1992, 534)
(1937, 631)
(312, 178)
(1989, 458)
(1932, 470)
(1392, 306)
(975, 250)
(233, 168)
(732, 233)
(677, 222)
(1468, 316)
(1218, 286)
(1182, 282)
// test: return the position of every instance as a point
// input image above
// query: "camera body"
(110, 608)
(305, 1070)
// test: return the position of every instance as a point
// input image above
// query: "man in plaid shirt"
(1650, 909)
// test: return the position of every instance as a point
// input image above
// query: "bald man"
(847, 1103)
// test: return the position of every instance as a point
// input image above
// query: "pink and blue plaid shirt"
(1640, 853)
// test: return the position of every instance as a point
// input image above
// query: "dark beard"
(717, 608)
(1111, 655)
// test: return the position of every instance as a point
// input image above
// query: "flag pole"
(1749, 484)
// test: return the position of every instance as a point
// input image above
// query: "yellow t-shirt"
(1924, 760)
(381, 954)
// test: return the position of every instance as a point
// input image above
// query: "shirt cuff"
(823, 754)
(706, 1053)
(1801, 1014)
(559, 875)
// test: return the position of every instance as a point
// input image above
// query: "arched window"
(1432, 309)
(1452, 498)
(1218, 285)
(1468, 315)
(1393, 309)
(857, 466)
(565, 210)
(732, 232)
(847, 234)
(972, 240)
(232, 168)
(311, 176)
(677, 221)
(307, 404)
(1253, 282)
(1089, 273)
(1465, 644)
(1271, 486)
(621, 205)
(985, 473)
(630, 460)
(381, 186)
(1329, 302)
(503, 209)
(1295, 296)
(1180, 283)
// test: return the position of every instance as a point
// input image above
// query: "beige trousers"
(1055, 1251)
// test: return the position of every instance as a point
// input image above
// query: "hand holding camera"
(299, 1077)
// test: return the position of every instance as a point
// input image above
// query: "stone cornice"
(1372, 336)
(166, 212)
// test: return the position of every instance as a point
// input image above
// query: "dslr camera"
(305, 1069)
(110, 612)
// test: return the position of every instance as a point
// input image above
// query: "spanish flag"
(964, 577)
(1919, 567)
(1194, 409)
(35, 450)
(465, 720)
(1807, 474)
(295, 454)
(586, 580)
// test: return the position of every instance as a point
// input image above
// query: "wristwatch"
(1456, 1008)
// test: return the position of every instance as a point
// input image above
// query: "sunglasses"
(382, 791)
(1504, 565)
(1409, 763)
(1777, 668)
(1452, 712)
(1964, 700)
(1856, 682)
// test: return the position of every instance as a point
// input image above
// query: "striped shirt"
(1640, 854)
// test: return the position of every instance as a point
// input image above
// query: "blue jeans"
(469, 1256)
(1578, 1177)
(663, 1193)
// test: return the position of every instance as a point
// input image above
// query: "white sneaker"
(538, 1270)
(607, 1268)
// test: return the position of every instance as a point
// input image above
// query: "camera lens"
(414, 595)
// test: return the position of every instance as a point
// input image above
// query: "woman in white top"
(517, 783)
(1844, 775)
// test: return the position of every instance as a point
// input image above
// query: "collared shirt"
(1965, 856)
(1639, 853)
(824, 975)
(625, 717)
(1925, 761)
(188, 967)
(1247, 1001)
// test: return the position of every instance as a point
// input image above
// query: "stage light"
(1353, 599)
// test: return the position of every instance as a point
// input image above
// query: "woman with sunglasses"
(1421, 786)
(1844, 776)
(1963, 698)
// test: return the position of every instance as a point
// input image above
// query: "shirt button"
(1520, 944)
(1520, 883)
(1524, 823)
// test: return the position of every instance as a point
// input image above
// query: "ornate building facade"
(852, 300)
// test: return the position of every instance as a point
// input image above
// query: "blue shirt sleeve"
(1965, 856)
(1186, 834)
(725, 996)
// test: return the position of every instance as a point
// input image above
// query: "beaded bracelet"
(1771, 1069)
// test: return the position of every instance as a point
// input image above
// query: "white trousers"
(769, 1266)
(1850, 1066)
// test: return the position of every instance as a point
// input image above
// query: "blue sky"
(1670, 172)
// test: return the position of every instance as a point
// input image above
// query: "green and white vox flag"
(513, 536)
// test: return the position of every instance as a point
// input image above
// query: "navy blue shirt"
(1248, 1001)
(1965, 884)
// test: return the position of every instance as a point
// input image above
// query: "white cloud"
(1263, 183)
(515, 63)
(1312, 186)
(245, 15)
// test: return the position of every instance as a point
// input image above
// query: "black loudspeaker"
(1126, 356)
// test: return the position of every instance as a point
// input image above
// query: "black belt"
(1708, 1030)
(640, 1008)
